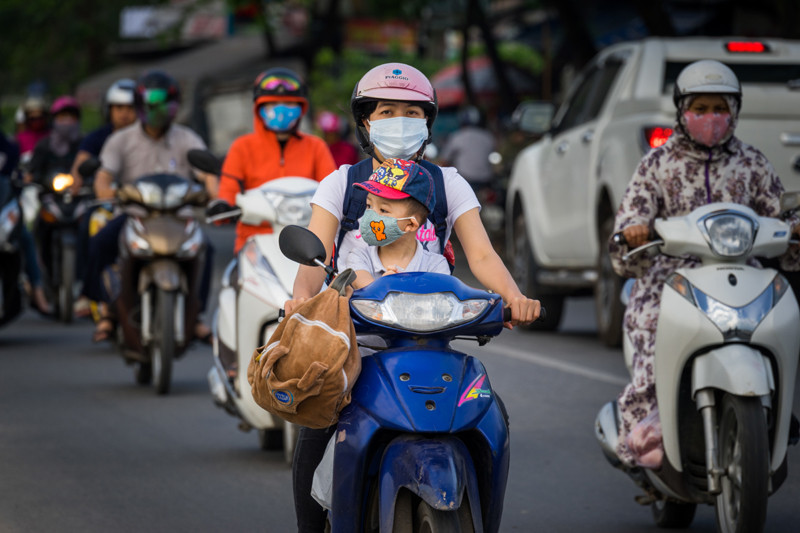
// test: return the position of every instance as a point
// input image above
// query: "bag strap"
(439, 215)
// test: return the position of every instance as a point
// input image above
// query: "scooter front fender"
(164, 274)
(438, 470)
(735, 368)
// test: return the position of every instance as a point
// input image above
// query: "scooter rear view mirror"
(89, 167)
(302, 246)
(205, 161)
(790, 202)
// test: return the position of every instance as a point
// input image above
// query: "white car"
(565, 188)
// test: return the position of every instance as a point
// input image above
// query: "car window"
(778, 73)
(604, 80)
(588, 98)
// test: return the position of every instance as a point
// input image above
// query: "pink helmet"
(391, 81)
(329, 122)
(64, 103)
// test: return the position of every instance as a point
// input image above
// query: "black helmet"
(148, 85)
(282, 83)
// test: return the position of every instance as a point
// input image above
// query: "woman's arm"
(309, 279)
(489, 269)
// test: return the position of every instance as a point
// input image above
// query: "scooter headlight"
(175, 195)
(420, 312)
(191, 246)
(290, 209)
(152, 194)
(62, 182)
(134, 236)
(728, 234)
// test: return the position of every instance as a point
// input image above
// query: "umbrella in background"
(450, 90)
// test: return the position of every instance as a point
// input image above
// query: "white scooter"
(726, 356)
(254, 288)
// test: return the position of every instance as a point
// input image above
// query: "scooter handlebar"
(542, 314)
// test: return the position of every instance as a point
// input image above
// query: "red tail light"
(746, 47)
(655, 136)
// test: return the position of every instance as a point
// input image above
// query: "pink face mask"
(708, 129)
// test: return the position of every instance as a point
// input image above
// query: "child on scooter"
(400, 196)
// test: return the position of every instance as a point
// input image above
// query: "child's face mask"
(707, 129)
(378, 230)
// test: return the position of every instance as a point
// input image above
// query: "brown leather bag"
(306, 371)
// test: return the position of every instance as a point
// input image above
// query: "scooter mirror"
(790, 201)
(89, 167)
(302, 246)
(205, 161)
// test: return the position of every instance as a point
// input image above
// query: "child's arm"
(363, 278)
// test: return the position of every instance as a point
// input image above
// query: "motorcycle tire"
(430, 520)
(607, 305)
(143, 373)
(741, 506)
(162, 348)
(673, 515)
(524, 270)
(66, 287)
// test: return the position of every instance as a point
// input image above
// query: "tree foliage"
(59, 42)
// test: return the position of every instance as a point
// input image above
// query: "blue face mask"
(280, 118)
(378, 230)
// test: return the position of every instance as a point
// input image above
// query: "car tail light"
(655, 136)
(746, 47)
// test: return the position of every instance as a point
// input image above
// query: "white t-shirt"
(423, 261)
(330, 196)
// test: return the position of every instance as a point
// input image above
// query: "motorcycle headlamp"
(152, 194)
(260, 264)
(729, 234)
(420, 312)
(134, 235)
(733, 322)
(290, 209)
(175, 195)
(62, 182)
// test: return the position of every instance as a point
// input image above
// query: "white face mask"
(398, 137)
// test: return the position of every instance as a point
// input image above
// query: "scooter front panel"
(434, 390)
(780, 335)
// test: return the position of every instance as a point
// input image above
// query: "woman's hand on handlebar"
(637, 235)
(523, 311)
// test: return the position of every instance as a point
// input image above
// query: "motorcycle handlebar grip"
(619, 238)
(507, 314)
(281, 313)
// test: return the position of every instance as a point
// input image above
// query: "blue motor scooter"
(423, 445)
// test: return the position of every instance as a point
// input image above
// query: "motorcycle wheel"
(607, 305)
(741, 506)
(524, 269)
(430, 520)
(162, 349)
(66, 289)
(673, 515)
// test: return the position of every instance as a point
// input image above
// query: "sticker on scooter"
(475, 391)
(283, 397)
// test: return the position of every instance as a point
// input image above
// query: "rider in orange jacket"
(276, 148)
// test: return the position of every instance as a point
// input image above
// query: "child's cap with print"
(396, 179)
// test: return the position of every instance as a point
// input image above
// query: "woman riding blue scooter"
(394, 106)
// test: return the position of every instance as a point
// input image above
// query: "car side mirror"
(533, 117)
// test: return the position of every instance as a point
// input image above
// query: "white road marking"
(569, 368)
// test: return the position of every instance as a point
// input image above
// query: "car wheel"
(608, 307)
(524, 269)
